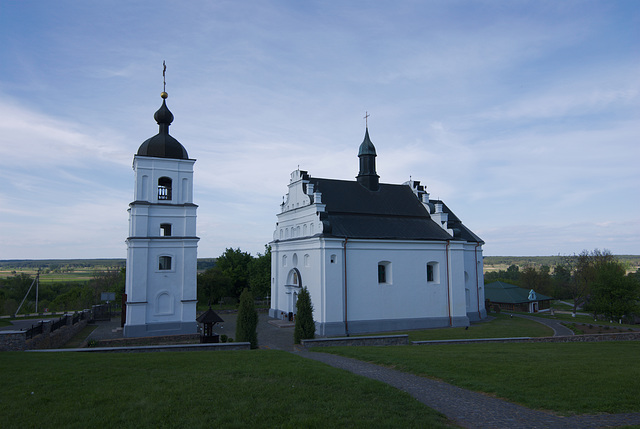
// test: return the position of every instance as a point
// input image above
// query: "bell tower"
(162, 245)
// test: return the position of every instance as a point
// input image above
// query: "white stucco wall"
(407, 300)
(161, 302)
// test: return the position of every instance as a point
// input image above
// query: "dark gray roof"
(162, 145)
(392, 212)
(460, 231)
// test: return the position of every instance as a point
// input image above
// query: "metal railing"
(59, 323)
(34, 330)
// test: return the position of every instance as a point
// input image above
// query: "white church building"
(162, 244)
(375, 257)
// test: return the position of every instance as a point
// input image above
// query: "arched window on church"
(384, 272)
(164, 188)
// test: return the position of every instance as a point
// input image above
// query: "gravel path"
(470, 409)
(559, 330)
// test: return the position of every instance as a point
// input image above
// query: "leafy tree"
(260, 274)
(247, 320)
(234, 263)
(586, 269)
(305, 326)
(536, 279)
(104, 281)
(560, 281)
(119, 286)
(510, 275)
(613, 293)
(513, 272)
(213, 284)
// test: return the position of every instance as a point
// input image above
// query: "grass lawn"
(260, 388)
(565, 317)
(502, 326)
(4, 322)
(569, 378)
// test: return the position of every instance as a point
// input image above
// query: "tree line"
(594, 281)
(58, 296)
(233, 272)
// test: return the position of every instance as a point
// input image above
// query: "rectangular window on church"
(432, 273)
(382, 274)
(164, 263)
(165, 230)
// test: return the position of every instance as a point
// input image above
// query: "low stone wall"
(17, 340)
(380, 340)
(12, 341)
(157, 348)
(150, 341)
(622, 336)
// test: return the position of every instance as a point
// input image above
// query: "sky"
(522, 116)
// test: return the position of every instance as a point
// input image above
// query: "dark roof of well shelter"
(507, 293)
(209, 316)
(391, 212)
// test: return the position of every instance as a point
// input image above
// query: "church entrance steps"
(282, 323)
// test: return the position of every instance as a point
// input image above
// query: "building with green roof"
(513, 298)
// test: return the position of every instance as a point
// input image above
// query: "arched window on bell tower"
(164, 188)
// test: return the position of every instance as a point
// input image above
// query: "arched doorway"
(292, 288)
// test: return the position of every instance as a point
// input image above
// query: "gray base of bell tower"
(160, 329)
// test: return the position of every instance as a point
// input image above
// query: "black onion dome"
(162, 145)
(367, 148)
(163, 115)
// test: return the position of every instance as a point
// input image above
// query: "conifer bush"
(305, 326)
(247, 320)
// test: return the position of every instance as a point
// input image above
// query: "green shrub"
(223, 338)
(247, 320)
(305, 328)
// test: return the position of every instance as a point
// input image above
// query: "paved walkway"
(559, 330)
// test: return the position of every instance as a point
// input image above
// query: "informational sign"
(108, 296)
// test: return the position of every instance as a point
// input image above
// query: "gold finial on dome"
(164, 95)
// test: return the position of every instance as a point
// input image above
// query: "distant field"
(70, 270)
(74, 276)
(496, 263)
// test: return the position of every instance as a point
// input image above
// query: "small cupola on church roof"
(367, 175)
(162, 145)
